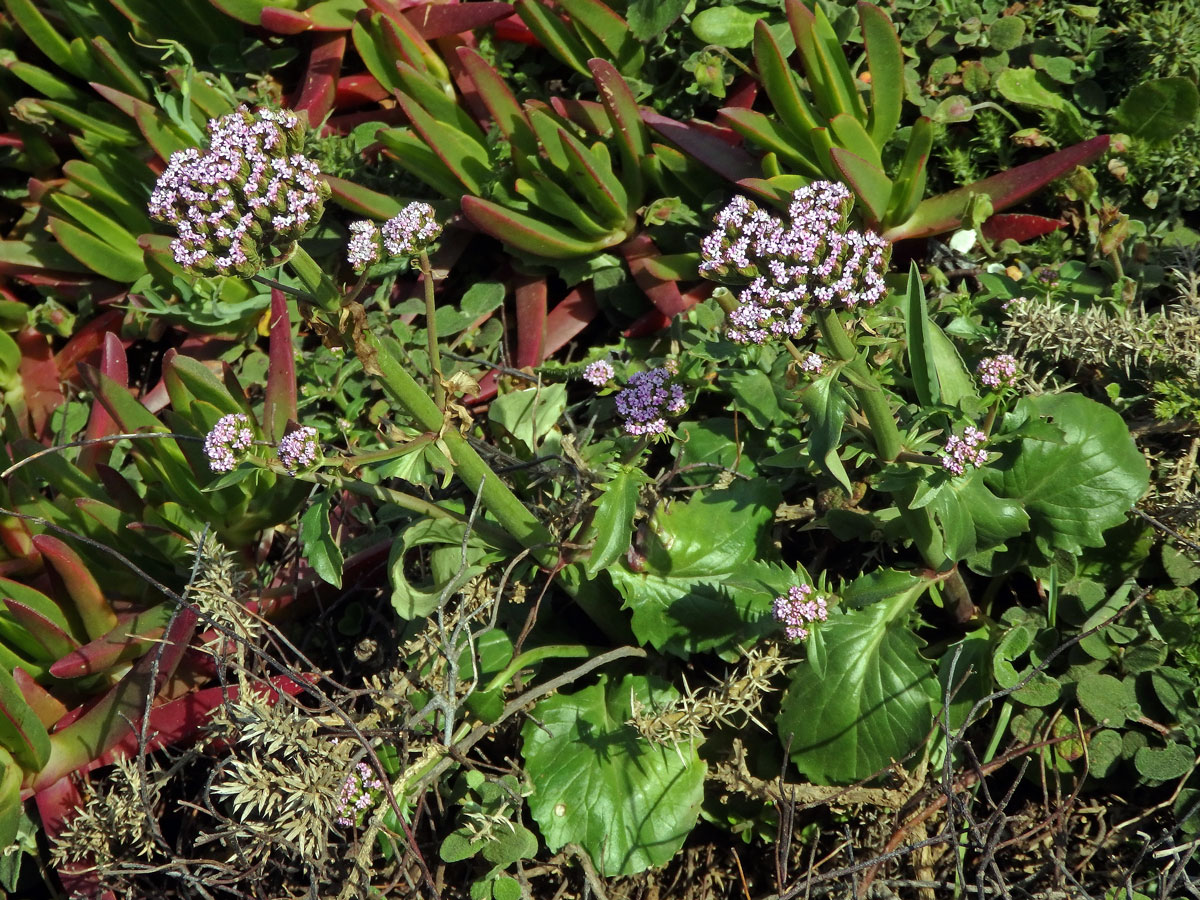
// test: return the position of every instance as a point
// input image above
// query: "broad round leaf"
(599, 784)
(1075, 490)
(868, 697)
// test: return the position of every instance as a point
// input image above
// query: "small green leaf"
(613, 522)
(318, 543)
(529, 415)
(629, 803)
(649, 18)
(1006, 33)
(1158, 110)
(1164, 763)
(1108, 700)
(725, 26)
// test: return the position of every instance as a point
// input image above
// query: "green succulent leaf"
(885, 62)
(629, 803)
(21, 733)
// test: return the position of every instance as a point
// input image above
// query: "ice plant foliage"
(599, 373)
(251, 190)
(299, 449)
(998, 371)
(959, 452)
(228, 441)
(356, 794)
(812, 260)
(645, 401)
(799, 609)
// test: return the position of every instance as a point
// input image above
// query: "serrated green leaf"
(1075, 490)
(828, 406)
(865, 697)
(678, 596)
(629, 803)
(319, 546)
(612, 524)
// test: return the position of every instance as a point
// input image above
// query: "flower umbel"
(251, 190)
(814, 260)
(644, 402)
(299, 449)
(599, 373)
(356, 793)
(959, 452)
(411, 230)
(228, 441)
(364, 245)
(998, 371)
(799, 609)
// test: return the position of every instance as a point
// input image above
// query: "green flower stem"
(536, 655)
(469, 466)
(872, 399)
(324, 293)
(990, 421)
(431, 336)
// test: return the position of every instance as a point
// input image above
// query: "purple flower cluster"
(251, 190)
(407, 233)
(799, 609)
(647, 398)
(599, 373)
(230, 438)
(356, 793)
(298, 449)
(959, 452)
(998, 371)
(363, 248)
(813, 260)
(411, 230)
(812, 364)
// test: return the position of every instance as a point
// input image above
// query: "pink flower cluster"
(599, 373)
(407, 233)
(959, 452)
(812, 364)
(998, 371)
(250, 190)
(228, 441)
(644, 402)
(299, 449)
(799, 609)
(813, 260)
(356, 793)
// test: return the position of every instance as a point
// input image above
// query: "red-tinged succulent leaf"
(569, 317)
(530, 298)
(53, 640)
(742, 93)
(554, 35)
(517, 32)
(731, 163)
(11, 776)
(48, 708)
(944, 212)
(361, 200)
(247, 11)
(463, 157)
(500, 101)
(333, 15)
(131, 638)
(869, 183)
(17, 539)
(280, 402)
(628, 127)
(436, 20)
(21, 731)
(44, 36)
(358, 90)
(1019, 227)
(80, 585)
(20, 257)
(119, 491)
(86, 343)
(529, 234)
(647, 324)
(39, 375)
(663, 294)
(100, 424)
(320, 78)
(119, 68)
(109, 720)
(94, 253)
(126, 103)
(284, 21)
(770, 135)
(674, 267)
(345, 124)
(589, 115)
(57, 804)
